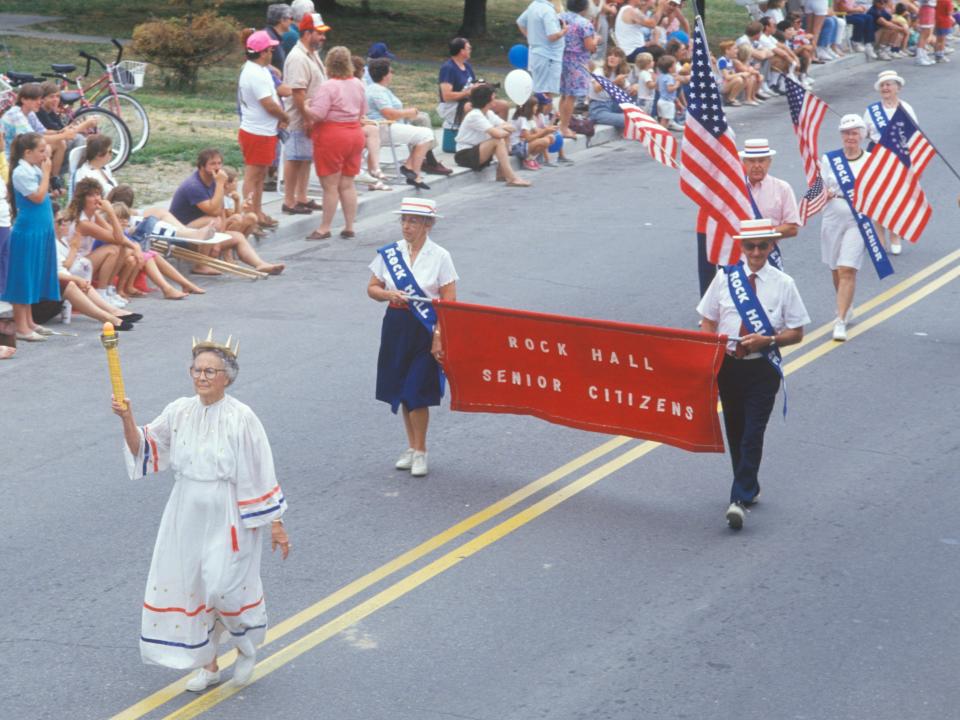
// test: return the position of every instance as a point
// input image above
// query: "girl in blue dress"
(32, 259)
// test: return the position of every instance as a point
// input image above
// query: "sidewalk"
(373, 203)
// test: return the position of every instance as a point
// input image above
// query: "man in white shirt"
(304, 72)
(748, 381)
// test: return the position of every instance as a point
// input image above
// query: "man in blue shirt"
(545, 32)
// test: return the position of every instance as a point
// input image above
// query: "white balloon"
(518, 85)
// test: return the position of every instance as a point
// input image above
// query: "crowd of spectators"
(785, 37)
(303, 113)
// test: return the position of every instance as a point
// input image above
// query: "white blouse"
(432, 269)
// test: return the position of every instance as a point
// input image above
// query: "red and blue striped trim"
(276, 507)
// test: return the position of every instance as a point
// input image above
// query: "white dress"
(206, 561)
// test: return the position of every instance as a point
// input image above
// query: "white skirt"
(205, 570)
(841, 244)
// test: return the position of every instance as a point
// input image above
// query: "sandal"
(317, 235)
(268, 222)
(378, 174)
(379, 185)
(347, 234)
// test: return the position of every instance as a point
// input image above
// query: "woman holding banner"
(841, 243)
(409, 377)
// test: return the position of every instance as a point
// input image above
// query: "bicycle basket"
(128, 74)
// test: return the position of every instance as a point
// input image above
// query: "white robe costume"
(206, 561)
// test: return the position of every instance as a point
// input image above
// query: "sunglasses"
(749, 246)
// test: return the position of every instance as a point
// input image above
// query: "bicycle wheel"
(133, 114)
(110, 125)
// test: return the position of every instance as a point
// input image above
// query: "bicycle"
(102, 92)
(106, 122)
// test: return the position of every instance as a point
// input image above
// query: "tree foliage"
(184, 45)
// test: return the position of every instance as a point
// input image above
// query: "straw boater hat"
(851, 121)
(886, 75)
(417, 206)
(757, 148)
(757, 229)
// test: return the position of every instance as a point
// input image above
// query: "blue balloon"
(518, 56)
(557, 142)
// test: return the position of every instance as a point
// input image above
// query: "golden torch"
(110, 341)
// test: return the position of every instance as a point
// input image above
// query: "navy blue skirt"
(407, 373)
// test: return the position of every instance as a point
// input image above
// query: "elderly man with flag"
(759, 308)
(770, 197)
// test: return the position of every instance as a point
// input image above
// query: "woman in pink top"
(338, 140)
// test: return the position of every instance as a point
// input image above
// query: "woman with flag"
(841, 243)
(409, 377)
(877, 117)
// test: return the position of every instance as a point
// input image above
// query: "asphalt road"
(612, 588)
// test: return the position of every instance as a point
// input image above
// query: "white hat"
(756, 229)
(417, 206)
(757, 148)
(851, 121)
(886, 75)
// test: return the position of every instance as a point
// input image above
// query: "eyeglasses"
(208, 373)
(751, 246)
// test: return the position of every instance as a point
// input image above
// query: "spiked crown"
(233, 350)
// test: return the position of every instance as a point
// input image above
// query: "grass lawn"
(725, 21)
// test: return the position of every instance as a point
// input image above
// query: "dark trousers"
(706, 270)
(864, 28)
(748, 390)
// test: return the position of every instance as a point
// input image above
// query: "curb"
(374, 203)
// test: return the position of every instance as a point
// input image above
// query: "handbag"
(583, 125)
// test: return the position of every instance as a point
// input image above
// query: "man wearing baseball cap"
(304, 72)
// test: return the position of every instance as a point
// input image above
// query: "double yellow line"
(453, 557)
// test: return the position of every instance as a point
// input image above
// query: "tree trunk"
(474, 18)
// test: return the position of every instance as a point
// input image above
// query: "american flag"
(711, 173)
(807, 112)
(638, 125)
(888, 188)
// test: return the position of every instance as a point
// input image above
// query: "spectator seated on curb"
(800, 47)
(864, 26)
(455, 81)
(238, 215)
(162, 223)
(760, 54)
(198, 203)
(732, 82)
(603, 109)
(527, 141)
(51, 118)
(399, 125)
(377, 51)
(374, 178)
(889, 33)
(483, 136)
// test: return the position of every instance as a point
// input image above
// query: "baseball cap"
(380, 50)
(260, 41)
(313, 21)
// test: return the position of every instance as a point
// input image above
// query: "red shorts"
(925, 18)
(337, 148)
(257, 149)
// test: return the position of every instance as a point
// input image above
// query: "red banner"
(646, 382)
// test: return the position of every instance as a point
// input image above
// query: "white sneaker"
(115, 297)
(941, 58)
(884, 54)
(848, 318)
(202, 680)
(735, 516)
(418, 468)
(405, 461)
(839, 330)
(857, 47)
(896, 248)
(870, 52)
(674, 126)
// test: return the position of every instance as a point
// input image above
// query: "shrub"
(184, 45)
